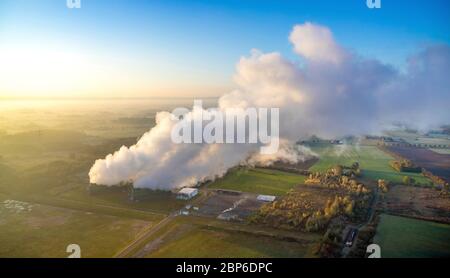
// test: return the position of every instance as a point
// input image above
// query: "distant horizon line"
(102, 98)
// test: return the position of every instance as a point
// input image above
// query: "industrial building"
(266, 198)
(187, 193)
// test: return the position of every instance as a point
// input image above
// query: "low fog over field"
(330, 92)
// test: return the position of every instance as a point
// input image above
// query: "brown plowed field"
(438, 164)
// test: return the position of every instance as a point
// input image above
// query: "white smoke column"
(155, 162)
(287, 153)
(333, 93)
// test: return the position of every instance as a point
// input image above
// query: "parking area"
(229, 205)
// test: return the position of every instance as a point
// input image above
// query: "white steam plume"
(333, 93)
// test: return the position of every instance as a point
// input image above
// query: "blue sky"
(191, 47)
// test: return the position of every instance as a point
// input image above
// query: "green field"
(373, 161)
(260, 181)
(146, 200)
(46, 231)
(45, 157)
(206, 243)
(401, 237)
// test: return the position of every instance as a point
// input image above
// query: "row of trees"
(320, 219)
(437, 180)
(339, 177)
(405, 165)
(297, 211)
(383, 185)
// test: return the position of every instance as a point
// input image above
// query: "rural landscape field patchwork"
(47, 201)
(224, 129)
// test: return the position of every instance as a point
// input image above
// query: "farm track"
(128, 250)
(370, 214)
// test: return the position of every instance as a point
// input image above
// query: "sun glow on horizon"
(43, 72)
(35, 71)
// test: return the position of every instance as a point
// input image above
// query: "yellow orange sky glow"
(35, 71)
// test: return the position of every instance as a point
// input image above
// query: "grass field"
(47, 165)
(261, 181)
(45, 157)
(207, 243)
(401, 237)
(374, 162)
(46, 231)
(147, 200)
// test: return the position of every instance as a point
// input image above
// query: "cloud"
(316, 43)
(331, 94)
(420, 97)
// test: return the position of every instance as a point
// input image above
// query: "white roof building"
(266, 198)
(187, 193)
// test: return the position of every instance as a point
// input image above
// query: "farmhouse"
(266, 198)
(187, 193)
